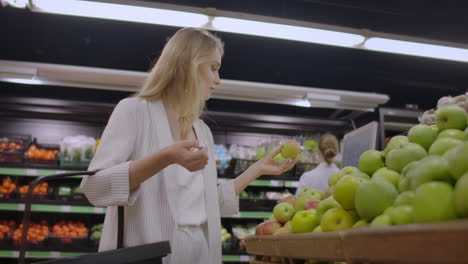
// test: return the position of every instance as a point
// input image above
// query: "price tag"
(98, 210)
(65, 208)
(244, 258)
(31, 172)
(15, 254)
(55, 254)
(276, 183)
(21, 207)
(236, 215)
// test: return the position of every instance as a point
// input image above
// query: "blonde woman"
(318, 177)
(157, 158)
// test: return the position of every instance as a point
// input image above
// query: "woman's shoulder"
(136, 104)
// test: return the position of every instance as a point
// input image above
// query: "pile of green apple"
(418, 178)
(225, 235)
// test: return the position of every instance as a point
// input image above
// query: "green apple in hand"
(392, 176)
(401, 215)
(370, 161)
(458, 160)
(373, 197)
(345, 191)
(450, 116)
(279, 158)
(434, 201)
(304, 221)
(395, 142)
(283, 212)
(442, 145)
(431, 168)
(423, 135)
(290, 149)
(336, 219)
(381, 221)
(461, 196)
(404, 198)
(452, 133)
(398, 158)
(325, 205)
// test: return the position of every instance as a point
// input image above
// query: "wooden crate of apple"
(419, 178)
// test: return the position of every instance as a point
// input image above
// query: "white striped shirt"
(137, 128)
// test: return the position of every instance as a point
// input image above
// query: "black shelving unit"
(396, 121)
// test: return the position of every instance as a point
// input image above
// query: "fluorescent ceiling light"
(17, 3)
(282, 31)
(417, 49)
(120, 12)
(23, 81)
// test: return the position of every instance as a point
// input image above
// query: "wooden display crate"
(411, 244)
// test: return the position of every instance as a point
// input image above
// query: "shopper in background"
(318, 177)
(157, 158)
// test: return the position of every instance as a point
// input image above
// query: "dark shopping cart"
(143, 254)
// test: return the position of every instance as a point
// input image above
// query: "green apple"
(272, 218)
(283, 212)
(401, 215)
(450, 116)
(395, 142)
(373, 197)
(325, 205)
(304, 221)
(345, 191)
(310, 144)
(431, 168)
(370, 161)
(282, 230)
(434, 201)
(442, 145)
(279, 158)
(423, 135)
(461, 196)
(458, 161)
(290, 149)
(332, 180)
(403, 185)
(404, 198)
(354, 214)
(388, 210)
(381, 221)
(288, 225)
(466, 131)
(302, 201)
(398, 158)
(318, 229)
(452, 133)
(404, 182)
(392, 176)
(316, 194)
(360, 223)
(336, 219)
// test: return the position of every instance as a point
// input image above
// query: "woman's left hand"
(268, 166)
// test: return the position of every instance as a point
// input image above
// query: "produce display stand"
(445, 242)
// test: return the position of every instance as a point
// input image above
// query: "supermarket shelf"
(417, 243)
(268, 183)
(47, 208)
(253, 215)
(32, 172)
(236, 258)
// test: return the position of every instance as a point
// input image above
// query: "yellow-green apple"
(289, 199)
(458, 161)
(269, 227)
(360, 223)
(333, 179)
(272, 218)
(304, 221)
(398, 158)
(345, 191)
(442, 145)
(388, 210)
(354, 214)
(390, 175)
(395, 142)
(404, 198)
(325, 205)
(401, 215)
(279, 158)
(302, 201)
(404, 182)
(328, 192)
(310, 144)
(318, 229)
(290, 149)
(434, 201)
(461, 196)
(431, 168)
(336, 219)
(450, 116)
(452, 133)
(423, 135)
(283, 212)
(311, 204)
(314, 193)
(381, 221)
(373, 197)
(288, 225)
(370, 161)
(282, 230)
(466, 131)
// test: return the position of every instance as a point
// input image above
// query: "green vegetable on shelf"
(76, 156)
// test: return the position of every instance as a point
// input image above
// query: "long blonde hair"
(328, 147)
(175, 77)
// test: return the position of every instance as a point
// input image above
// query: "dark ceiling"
(37, 37)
